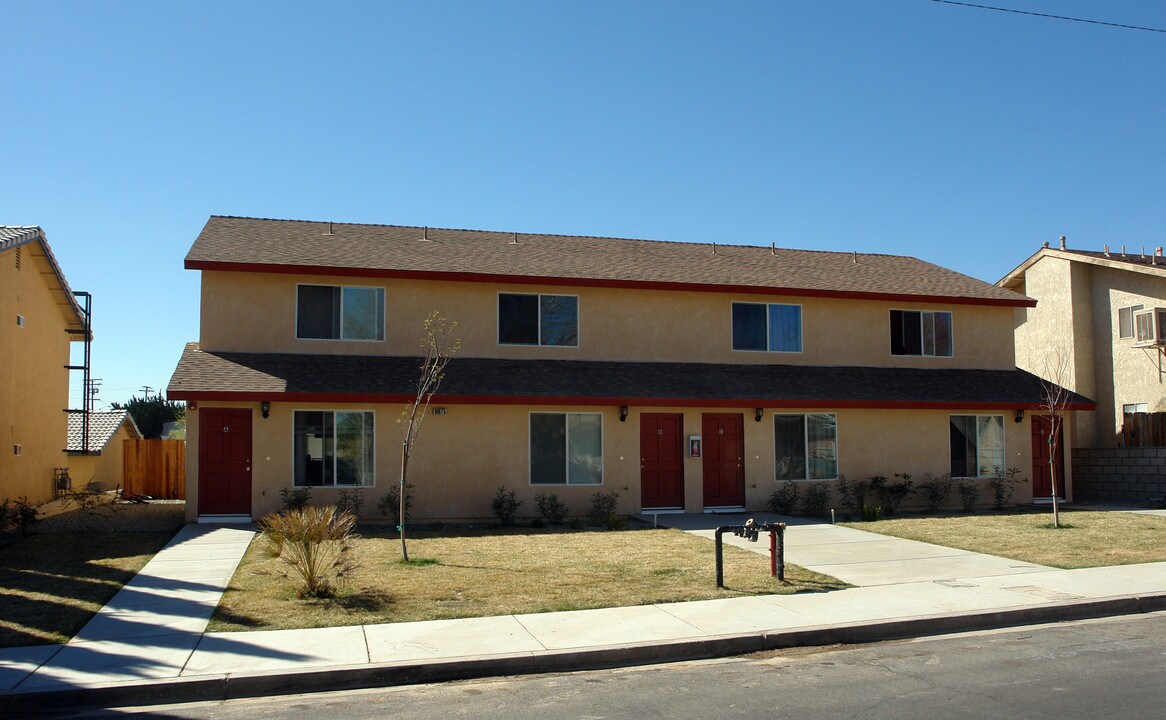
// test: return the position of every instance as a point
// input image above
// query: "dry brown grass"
(1086, 538)
(50, 585)
(498, 573)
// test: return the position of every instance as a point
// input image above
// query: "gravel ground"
(157, 516)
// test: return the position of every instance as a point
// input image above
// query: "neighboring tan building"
(1091, 307)
(39, 319)
(102, 459)
(681, 376)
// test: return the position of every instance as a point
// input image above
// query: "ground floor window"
(566, 448)
(334, 448)
(977, 445)
(1130, 408)
(806, 446)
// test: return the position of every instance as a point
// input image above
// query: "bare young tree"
(438, 346)
(1055, 398)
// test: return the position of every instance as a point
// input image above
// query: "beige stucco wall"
(104, 467)
(34, 384)
(255, 312)
(1077, 314)
(464, 455)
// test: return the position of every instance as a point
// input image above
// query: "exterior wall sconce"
(757, 413)
(623, 413)
(1019, 416)
(265, 408)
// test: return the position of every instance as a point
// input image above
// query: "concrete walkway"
(148, 644)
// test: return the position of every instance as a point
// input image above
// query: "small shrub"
(935, 490)
(784, 500)
(85, 499)
(1004, 487)
(550, 508)
(349, 500)
(892, 494)
(538, 523)
(390, 503)
(313, 546)
(295, 498)
(816, 500)
(969, 491)
(575, 523)
(852, 495)
(19, 515)
(603, 505)
(616, 522)
(871, 514)
(504, 506)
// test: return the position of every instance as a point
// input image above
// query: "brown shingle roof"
(399, 251)
(335, 378)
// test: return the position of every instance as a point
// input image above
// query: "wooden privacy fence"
(1144, 429)
(156, 468)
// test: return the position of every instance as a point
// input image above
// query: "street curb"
(226, 686)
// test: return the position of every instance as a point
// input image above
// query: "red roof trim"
(205, 395)
(592, 282)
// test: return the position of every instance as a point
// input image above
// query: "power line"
(1052, 17)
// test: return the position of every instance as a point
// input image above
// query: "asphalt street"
(1111, 668)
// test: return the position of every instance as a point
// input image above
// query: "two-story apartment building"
(1091, 304)
(39, 319)
(681, 376)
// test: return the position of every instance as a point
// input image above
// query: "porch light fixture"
(265, 408)
(757, 413)
(623, 413)
(1019, 416)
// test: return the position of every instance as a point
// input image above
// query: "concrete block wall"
(1119, 474)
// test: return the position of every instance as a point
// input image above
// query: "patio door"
(724, 459)
(224, 461)
(1042, 428)
(662, 461)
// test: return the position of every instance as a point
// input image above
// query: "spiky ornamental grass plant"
(313, 547)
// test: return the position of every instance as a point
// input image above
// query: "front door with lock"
(224, 461)
(662, 461)
(724, 459)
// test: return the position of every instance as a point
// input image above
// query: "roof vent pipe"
(1106, 246)
(855, 257)
(1123, 250)
(514, 239)
(329, 228)
(1062, 242)
(1046, 243)
(773, 248)
(425, 233)
(1158, 251)
(714, 247)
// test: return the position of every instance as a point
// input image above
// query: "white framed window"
(566, 448)
(805, 446)
(334, 448)
(1130, 408)
(333, 312)
(771, 327)
(921, 332)
(1125, 320)
(977, 445)
(530, 319)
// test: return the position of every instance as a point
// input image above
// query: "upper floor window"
(806, 446)
(334, 448)
(330, 312)
(758, 326)
(921, 332)
(977, 445)
(538, 319)
(1125, 321)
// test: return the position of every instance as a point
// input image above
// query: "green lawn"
(1086, 538)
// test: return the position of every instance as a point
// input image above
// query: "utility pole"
(146, 390)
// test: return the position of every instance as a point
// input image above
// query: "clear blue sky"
(964, 137)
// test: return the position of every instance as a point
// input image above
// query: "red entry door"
(1042, 427)
(661, 461)
(724, 459)
(224, 461)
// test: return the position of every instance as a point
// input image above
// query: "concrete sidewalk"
(148, 644)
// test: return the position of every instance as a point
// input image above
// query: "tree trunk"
(401, 500)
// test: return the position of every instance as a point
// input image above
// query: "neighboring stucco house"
(1090, 306)
(39, 319)
(681, 376)
(102, 459)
